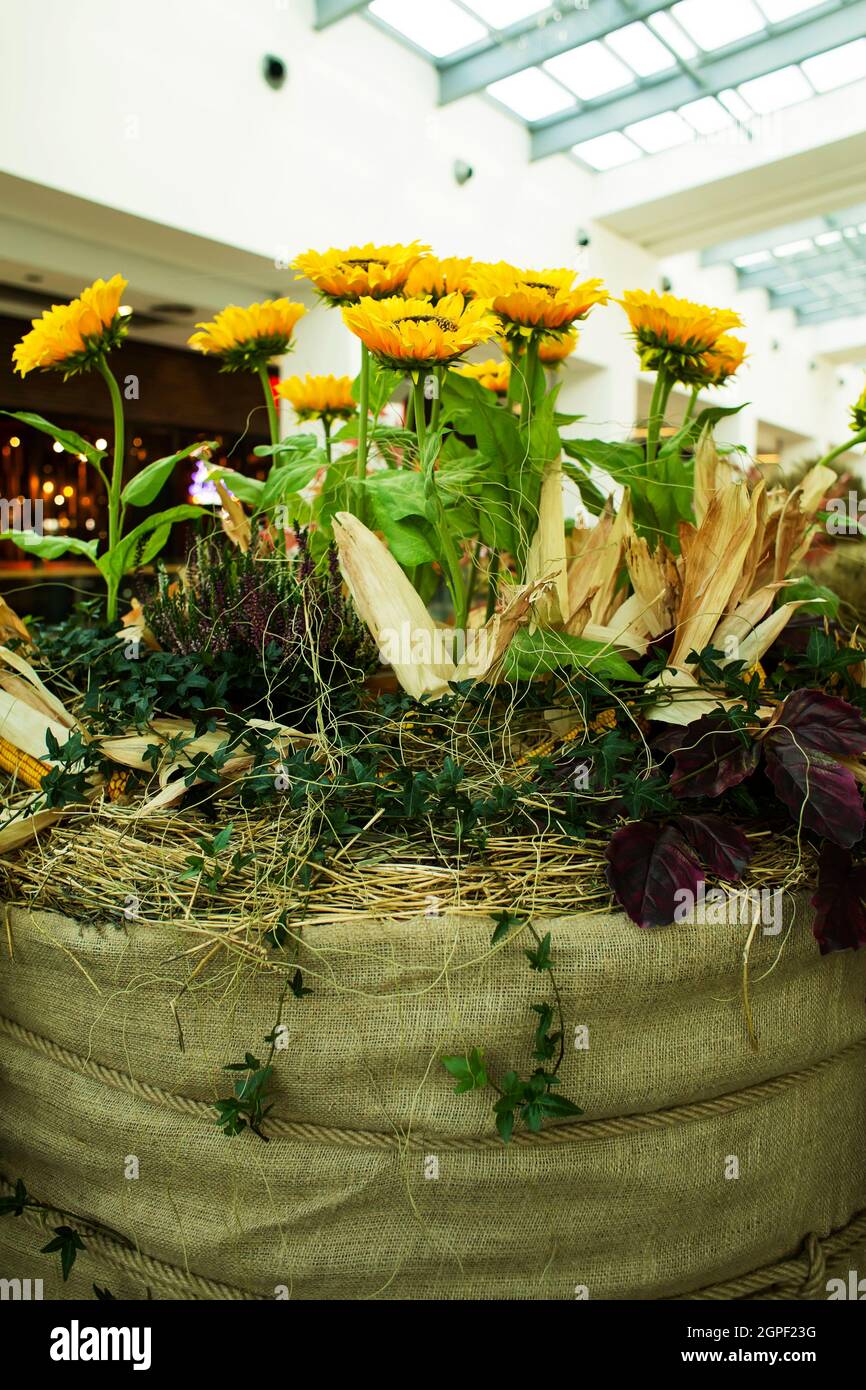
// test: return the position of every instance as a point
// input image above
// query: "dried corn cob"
(117, 783)
(599, 725)
(22, 766)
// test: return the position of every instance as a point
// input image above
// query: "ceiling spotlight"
(273, 71)
(667, 285)
(462, 171)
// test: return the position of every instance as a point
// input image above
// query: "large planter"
(702, 1166)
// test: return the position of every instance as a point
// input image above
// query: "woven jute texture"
(703, 1166)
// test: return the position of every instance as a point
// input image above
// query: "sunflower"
(553, 348)
(411, 334)
(434, 278)
(528, 301)
(674, 333)
(723, 360)
(492, 374)
(319, 397)
(71, 337)
(858, 413)
(360, 272)
(246, 339)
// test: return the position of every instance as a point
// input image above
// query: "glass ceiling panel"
(571, 94)
(817, 267)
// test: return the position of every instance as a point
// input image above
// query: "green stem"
(437, 399)
(492, 585)
(530, 369)
(115, 486)
(692, 403)
(326, 430)
(410, 410)
(858, 438)
(420, 420)
(273, 417)
(363, 412)
(661, 390)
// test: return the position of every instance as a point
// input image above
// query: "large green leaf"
(292, 444)
(127, 554)
(669, 490)
(249, 490)
(541, 652)
(50, 547)
(383, 383)
(623, 462)
(398, 506)
(290, 478)
(691, 431)
(72, 442)
(591, 496)
(146, 486)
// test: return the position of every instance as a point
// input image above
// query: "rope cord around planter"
(374, 1139)
(801, 1277)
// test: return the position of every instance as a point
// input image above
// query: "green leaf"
(290, 478)
(249, 490)
(398, 505)
(504, 923)
(146, 486)
(382, 385)
(468, 1071)
(50, 547)
(221, 840)
(72, 442)
(542, 652)
(816, 598)
(292, 444)
(540, 959)
(691, 431)
(116, 562)
(591, 495)
(623, 462)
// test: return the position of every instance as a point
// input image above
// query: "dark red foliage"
(815, 788)
(709, 756)
(840, 919)
(648, 864)
(720, 846)
(823, 722)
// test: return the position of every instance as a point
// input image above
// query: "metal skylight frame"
(821, 282)
(557, 29)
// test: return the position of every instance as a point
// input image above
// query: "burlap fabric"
(699, 1159)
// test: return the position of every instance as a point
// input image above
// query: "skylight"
(672, 34)
(776, 90)
(713, 25)
(607, 151)
(660, 132)
(739, 109)
(501, 14)
(640, 48)
(794, 248)
(439, 26)
(590, 71)
(706, 115)
(531, 94)
(777, 10)
(828, 238)
(751, 258)
(838, 67)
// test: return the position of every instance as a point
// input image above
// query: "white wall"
(160, 111)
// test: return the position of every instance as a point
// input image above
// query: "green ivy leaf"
(146, 486)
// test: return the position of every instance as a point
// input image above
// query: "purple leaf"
(815, 788)
(647, 865)
(840, 921)
(824, 722)
(720, 846)
(709, 757)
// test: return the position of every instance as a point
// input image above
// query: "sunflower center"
(447, 325)
(365, 265)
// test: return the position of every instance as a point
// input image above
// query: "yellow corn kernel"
(22, 766)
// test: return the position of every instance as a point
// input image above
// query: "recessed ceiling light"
(638, 46)
(661, 132)
(672, 34)
(438, 26)
(776, 90)
(712, 25)
(590, 70)
(607, 151)
(501, 14)
(794, 248)
(706, 115)
(828, 238)
(531, 94)
(750, 258)
(838, 67)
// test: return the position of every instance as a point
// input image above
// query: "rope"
(803, 1277)
(373, 1139)
(113, 1250)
